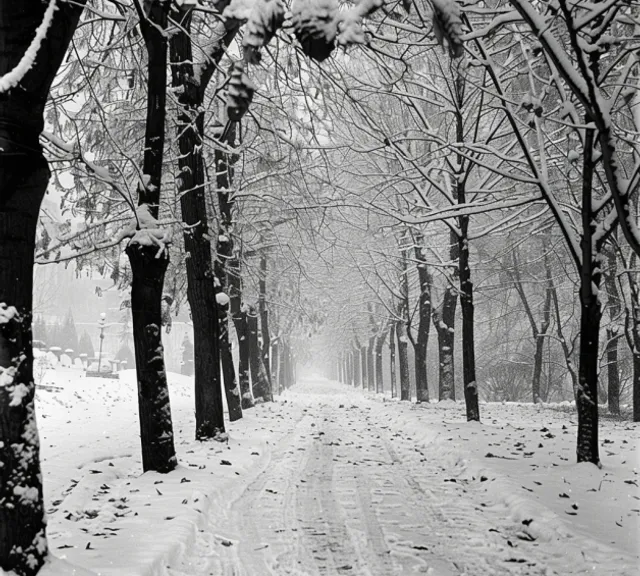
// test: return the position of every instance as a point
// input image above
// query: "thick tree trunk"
(403, 358)
(392, 360)
(363, 364)
(587, 396)
(443, 321)
(200, 280)
(156, 431)
(149, 264)
(422, 339)
(24, 176)
(260, 382)
(23, 182)
(466, 306)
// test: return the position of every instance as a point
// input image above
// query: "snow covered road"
(346, 492)
(329, 480)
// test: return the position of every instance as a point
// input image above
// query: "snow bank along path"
(330, 480)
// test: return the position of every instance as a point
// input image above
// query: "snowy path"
(345, 493)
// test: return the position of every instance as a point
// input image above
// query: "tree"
(29, 30)
(85, 346)
(68, 333)
(149, 258)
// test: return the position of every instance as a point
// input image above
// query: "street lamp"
(101, 322)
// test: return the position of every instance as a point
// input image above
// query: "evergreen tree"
(85, 346)
(126, 354)
(68, 333)
(40, 331)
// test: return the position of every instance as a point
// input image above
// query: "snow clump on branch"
(148, 231)
(314, 22)
(447, 25)
(13, 77)
(264, 20)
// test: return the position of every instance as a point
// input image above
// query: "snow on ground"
(103, 514)
(331, 480)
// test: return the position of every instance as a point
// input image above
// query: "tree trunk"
(371, 376)
(363, 363)
(461, 172)
(357, 377)
(275, 364)
(259, 380)
(403, 358)
(444, 320)
(244, 357)
(537, 369)
(149, 263)
(227, 273)
(587, 396)
(379, 375)
(231, 386)
(283, 371)
(264, 316)
(392, 360)
(636, 380)
(590, 315)
(23, 182)
(466, 306)
(613, 335)
(24, 176)
(156, 431)
(422, 339)
(200, 280)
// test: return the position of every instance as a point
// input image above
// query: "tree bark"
(156, 431)
(357, 377)
(590, 277)
(470, 385)
(392, 360)
(466, 306)
(231, 386)
(149, 263)
(260, 383)
(613, 334)
(24, 176)
(403, 358)
(200, 280)
(227, 273)
(422, 339)
(275, 366)
(244, 357)
(379, 373)
(264, 316)
(23, 183)
(371, 376)
(444, 318)
(363, 363)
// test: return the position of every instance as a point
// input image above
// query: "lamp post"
(101, 322)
